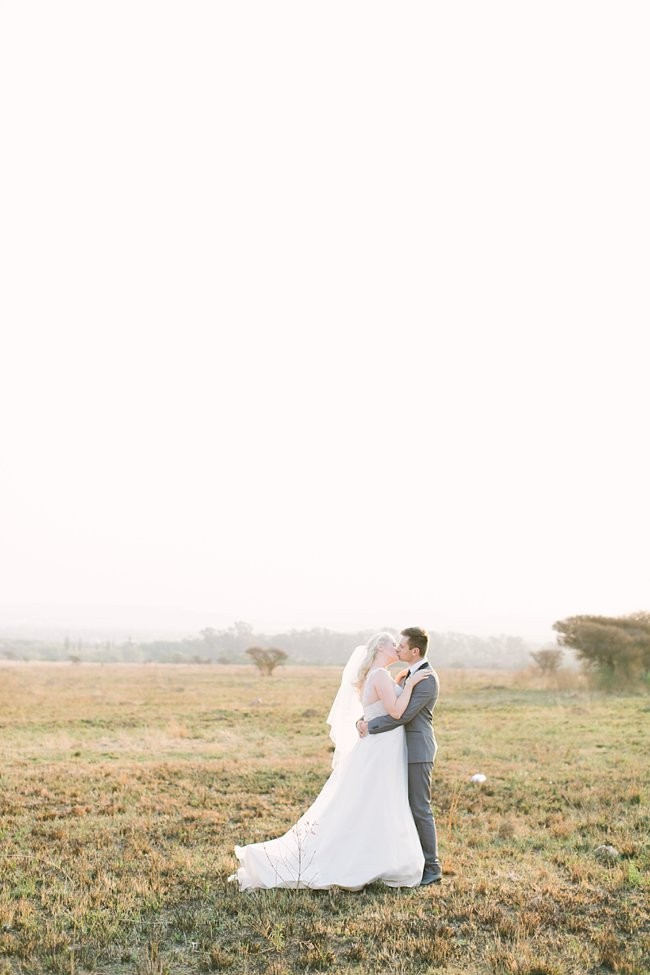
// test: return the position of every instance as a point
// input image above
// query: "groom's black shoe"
(432, 874)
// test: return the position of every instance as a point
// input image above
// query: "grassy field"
(124, 789)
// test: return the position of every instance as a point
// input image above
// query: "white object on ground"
(479, 777)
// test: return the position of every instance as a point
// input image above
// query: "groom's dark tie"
(411, 672)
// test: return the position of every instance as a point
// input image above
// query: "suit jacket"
(417, 720)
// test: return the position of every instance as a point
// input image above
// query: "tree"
(210, 639)
(266, 660)
(548, 661)
(242, 628)
(615, 648)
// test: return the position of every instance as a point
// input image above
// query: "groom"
(420, 742)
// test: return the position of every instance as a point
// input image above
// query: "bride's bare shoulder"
(373, 681)
(380, 674)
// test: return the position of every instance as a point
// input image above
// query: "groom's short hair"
(418, 638)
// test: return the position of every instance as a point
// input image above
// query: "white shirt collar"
(417, 665)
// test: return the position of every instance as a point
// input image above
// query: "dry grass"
(125, 788)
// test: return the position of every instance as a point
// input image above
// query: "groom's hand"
(362, 728)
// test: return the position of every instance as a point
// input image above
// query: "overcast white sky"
(324, 314)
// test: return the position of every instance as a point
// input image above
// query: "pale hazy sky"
(324, 313)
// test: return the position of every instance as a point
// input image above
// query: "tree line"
(315, 646)
(614, 650)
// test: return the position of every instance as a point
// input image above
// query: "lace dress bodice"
(376, 709)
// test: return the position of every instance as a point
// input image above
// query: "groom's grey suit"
(421, 747)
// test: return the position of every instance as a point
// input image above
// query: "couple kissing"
(372, 821)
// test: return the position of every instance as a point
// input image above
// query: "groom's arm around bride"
(417, 721)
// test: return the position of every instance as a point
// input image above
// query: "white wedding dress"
(360, 828)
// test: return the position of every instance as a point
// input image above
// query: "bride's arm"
(387, 691)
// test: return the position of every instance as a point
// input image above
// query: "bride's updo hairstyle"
(375, 644)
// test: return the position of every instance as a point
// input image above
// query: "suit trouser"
(420, 803)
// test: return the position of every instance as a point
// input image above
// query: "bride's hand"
(423, 675)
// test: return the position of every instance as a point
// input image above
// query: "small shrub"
(266, 660)
(548, 661)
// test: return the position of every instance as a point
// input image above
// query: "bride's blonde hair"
(375, 644)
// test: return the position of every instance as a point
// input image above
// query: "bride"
(360, 828)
